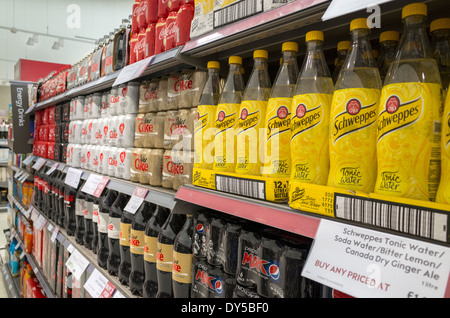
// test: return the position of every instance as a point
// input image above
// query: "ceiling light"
(30, 42)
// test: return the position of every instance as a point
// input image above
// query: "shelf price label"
(98, 285)
(73, 177)
(77, 264)
(38, 164)
(132, 71)
(53, 168)
(136, 200)
(370, 264)
(95, 185)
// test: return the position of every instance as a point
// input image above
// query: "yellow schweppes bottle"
(204, 130)
(227, 114)
(409, 116)
(277, 162)
(440, 45)
(443, 194)
(310, 116)
(353, 116)
(251, 117)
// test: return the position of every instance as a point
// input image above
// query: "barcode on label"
(237, 11)
(245, 187)
(416, 221)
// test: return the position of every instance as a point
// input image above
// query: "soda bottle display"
(115, 215)
(353, 116)
(251, 117)
(276, 146)
(137, 246)
(80, 207)
(226, 117)
(54, 194)
(388, 48)
(95, 211)
(70, 221)
(125, 257)
(310, 116)
(204, 122)
(60, 217)
(214, 240)
(409, 116)
(103, 217)
(164, 254)
(182, 260)
(152, 230)
(342, 51)
(88, 223)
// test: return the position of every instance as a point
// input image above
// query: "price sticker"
(39, 164)
(98, 285)
(95, 185)
(53, 168)
(77, 264)
(136, 200)
(73, 177)
(28, 160)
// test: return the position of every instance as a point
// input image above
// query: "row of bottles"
(376, 128)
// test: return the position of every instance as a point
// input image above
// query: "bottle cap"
(289, 46)
(213, 64)
(343, 45)
(360, 23)
(389, 36)
(260, 54)
(314, 36)
(414, 9)
(235, 60)
(440, 24)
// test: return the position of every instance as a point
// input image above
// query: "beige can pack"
(169, 124)
(135, 166)
(162, 93)
(156, 167)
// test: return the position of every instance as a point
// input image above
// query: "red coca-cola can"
(133, 43)
(159, 35)
(134, 17)
(150, 40)
(171, 31)
(141, 14)
(163, 8)
(152, 11)
(174, 5)
(184, 19)
(141, 45)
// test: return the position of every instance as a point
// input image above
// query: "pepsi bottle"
(125, 257)
(182, 260)
(115, 215)
(199, 246)
(103, 216)
(80, 207)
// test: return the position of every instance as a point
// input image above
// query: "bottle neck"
(360, 54)
(415, 43)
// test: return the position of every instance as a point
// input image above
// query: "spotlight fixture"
(56, 45)
(30, 42)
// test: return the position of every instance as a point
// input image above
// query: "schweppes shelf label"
(278, 134)
(310, 126)
(408, 141)
(443, 195)
(225, 138)
(353, 139)
(204, 137)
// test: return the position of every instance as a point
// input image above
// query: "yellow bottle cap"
(343, 45)
(440, 24)
(375, 53)
(289, 46)
(360, 23)
(314, 36)
(260, 54)
(213, 64)
(235, 60)
(389, 36)
(414, 9)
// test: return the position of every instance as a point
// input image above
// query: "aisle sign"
(370, 264)
(136, 200)
(73, 177)
(95, 184)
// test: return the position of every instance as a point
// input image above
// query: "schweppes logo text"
(224, 121)
(354, 118)
(305, 119)
(279, 123)
(396, 115)
(248, 120)
(201, 120)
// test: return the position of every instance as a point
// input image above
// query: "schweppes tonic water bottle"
(388, 48)
(443, 194)
(409, 116)
(353, 116)
(440, 45)
(204, 122)
(342, 51)
(277, 162)
(251, 117)
(226, 117)
(310, 115)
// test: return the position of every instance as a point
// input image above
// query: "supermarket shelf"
(11, 282)
(3, 142)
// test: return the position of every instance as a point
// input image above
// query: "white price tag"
(95, 184)
(77, 264)
(73, 177)
(53, 168)
(54, 234)
(40, 222)
(370, 264)
(24, 177)
(38, 164)
(136, 200)
(132, 71)
(339, 8)
(28, 160)
(18, 174)
(95, 284)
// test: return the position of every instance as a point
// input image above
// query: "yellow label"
(164, 257)
(310, 126)
(125, 230)
(204, 132)
(225, 138)
(277, 162)
(408, 141)
(150, 248)
(248, 132)
(137, 242)
(353, 139)
(182, 268)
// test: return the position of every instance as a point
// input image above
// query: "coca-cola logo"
(122, 156)
(182, 85)
(148, 95)
(141, 8)
(144, 127)
(112, 162)
(115, 99)
(141, 165)
(113, 134)
(108, 60)
(174, 168)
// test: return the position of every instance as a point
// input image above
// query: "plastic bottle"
(70, 221)
(440, 44)
(152, 228)
(342, 51)
(204, 122)
(103, 216)
(353, 116)
(409, 116)
(388, 48)
(95, 210)
(60, 218)
(80, 207)
(164, 254)
(115, 215)
(182, 260)
(251, 117)
(226, 117)
(443, 194)
(310, 116)
(125, 257)
(137, 245)
(277, 162)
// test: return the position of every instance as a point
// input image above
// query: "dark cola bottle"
(164, 254)
(37, 189)
(199, 246)
(95, 210)
(152, 229)
(46, 191)
(124, 240)
(137, 246)
(42, 190)
(182, 260)
(80, 207)
(60, 216)
(55, 195)
(70, 223)
(88, 224)
(102, 225)
(115, 215)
